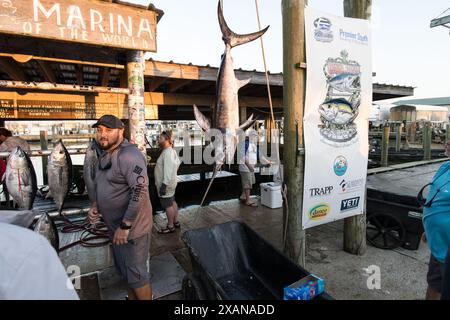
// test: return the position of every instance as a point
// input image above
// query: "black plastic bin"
(232, 262)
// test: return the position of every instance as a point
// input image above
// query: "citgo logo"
(319, 211)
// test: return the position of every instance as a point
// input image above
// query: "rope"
(265, 64)
(265, 112)
(442, 13)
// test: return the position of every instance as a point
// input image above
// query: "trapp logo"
(320, 192)
(319, 212)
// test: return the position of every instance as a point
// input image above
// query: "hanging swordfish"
(226, 111)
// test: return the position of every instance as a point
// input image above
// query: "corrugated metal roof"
(423, 107)
(443, 101)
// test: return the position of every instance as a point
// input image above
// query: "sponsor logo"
(320, 211)
(322, 30)
(350, 204)
(319, 192)
(351, 186)
(340, 166)
(355, 37)
(137, 170)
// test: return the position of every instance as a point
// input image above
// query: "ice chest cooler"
(271, 195)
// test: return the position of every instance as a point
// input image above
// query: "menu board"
(49, 110)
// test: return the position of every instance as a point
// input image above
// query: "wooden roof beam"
(176, 99)
(206, 73)
(12, 69)
(174, 87)
(46, 71)
(199, 86)
(155, 83)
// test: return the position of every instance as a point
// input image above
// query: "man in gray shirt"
(124, 203)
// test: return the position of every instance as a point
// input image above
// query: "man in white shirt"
(30, 268)
(8, 142)
(247, 167)
(166, 180)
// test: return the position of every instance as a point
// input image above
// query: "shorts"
(248, 180)
(167, 202)
(131, 261)
(435, 274)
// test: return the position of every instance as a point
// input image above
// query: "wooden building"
(59, 61)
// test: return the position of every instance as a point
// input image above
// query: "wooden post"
(242, 114)
(447, 134)
(398, 137)
(426, 137)
(294, 102)
(355, 227)
(136, 107)
(44, 146)
(413, 132)
(385, 145)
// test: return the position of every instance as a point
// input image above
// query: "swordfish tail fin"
(234, 39)
(216, 170)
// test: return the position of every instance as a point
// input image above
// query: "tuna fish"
(20, 179)
(346, 82)
(90, 168)
(59, 171)
(337, 111)
(46, 227)
(226, 112)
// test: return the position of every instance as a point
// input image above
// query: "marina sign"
(82, 21)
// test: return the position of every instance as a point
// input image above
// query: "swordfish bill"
(226, 112)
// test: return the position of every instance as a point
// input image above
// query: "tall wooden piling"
(398, 137)
(385, 145)
(355, 227)
(447, 133)
(43, 135)
(294, 103)
(426, 137)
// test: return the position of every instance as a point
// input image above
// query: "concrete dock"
(402, 272)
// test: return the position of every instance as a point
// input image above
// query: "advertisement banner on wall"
(337, 107)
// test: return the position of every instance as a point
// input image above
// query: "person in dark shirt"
(122, 199)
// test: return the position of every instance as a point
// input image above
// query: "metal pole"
(294, 103)
(426, 136)
(385, 145)
(136, 107)
(355, 227)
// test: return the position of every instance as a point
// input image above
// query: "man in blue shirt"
(436, 221)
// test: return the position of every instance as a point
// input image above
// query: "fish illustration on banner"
(342, 101)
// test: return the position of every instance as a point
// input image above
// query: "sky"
(406, 51)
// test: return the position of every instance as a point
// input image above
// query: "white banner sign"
(338, 100)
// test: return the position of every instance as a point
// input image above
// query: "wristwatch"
(124, 226)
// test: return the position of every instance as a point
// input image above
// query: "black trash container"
(232, 262)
